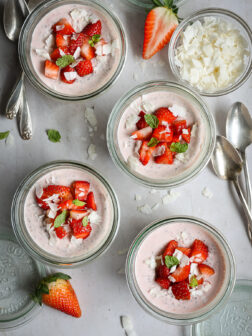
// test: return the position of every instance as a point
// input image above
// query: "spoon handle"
(247, 178)
(14, 101)
(24, 119)
(245, 206)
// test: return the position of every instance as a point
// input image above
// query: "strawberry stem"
(165, 3)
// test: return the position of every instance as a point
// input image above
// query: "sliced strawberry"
(181, 273)
(170, 248)
(164, 114)
(206, 270)
(76, 41)
(163, 272)
(63, 193)
(176, 138)
(178, 126)
(62, 40)
(93, 28)
(200, 281)
(145, 153)
(91, 201)
(64, 75)
(60, 232)
(163, 133)
(159, 27)
(81, 189)
(51, 70)
(185, 250)
(199, 251)
(63, 27)
(80, 231)
(186, 134)
(164, 283)
(78, 214)
(87, 51)
(141, 122)
(181, 291)
(84, 68)
(142, 134)
(69, 205)
(59, 52)
(166, 158)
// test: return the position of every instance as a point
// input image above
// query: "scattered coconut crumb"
(171, 196)
(138, 197)
(123, 251)
(207, 193)
(135, 76)
(145, 209)
(92, 152)
(153, 191)
(127, 325)
(10, 140)
(121, 271)
(90, 116)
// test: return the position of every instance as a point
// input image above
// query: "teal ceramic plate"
(235, 319)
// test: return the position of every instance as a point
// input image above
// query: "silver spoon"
(15, 12)
(228, 165)
(239, 132)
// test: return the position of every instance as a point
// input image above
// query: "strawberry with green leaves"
(160, 24)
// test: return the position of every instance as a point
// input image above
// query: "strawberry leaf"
(4, 135)
(171, 261)
(151, 120)
(153, 142)
(53, 135)
(193, 282)
(78, 203)
(94, 39)
(60, 219)
(179, 147)
(65, 60)
(85, 221)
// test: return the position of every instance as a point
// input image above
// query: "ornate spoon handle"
(14, 101)
(24, 116)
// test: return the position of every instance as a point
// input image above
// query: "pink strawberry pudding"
(75, 49)
(68, 212)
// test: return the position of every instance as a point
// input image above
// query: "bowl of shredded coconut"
(211, 51)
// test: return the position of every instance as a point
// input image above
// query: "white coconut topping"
(207, 193)
(49, 42)
(70, 75)
(151, 262)
(171, 196)
(138, 197)
(131, 121)
(90, 116)
(39, 191)
(80, 19)
(145, 209)
(77, 53)
(43, 53)
(132, 162)
(59, 27)
(92, 152)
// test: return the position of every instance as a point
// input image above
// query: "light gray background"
(102, 292)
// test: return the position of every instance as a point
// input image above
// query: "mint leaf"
(171, 261)
(53, 135)
(4, 135)
(85, 221)
(60, 219)
(65, 60)
(179, 147)
(151, 120)
(78, 203)
(153, 142)
(193, 282)
(94, 39)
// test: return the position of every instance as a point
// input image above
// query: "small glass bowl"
(25, 239)
(148, 4)
(24, 46)
(189, 95)
(198, 315)
(228, 16)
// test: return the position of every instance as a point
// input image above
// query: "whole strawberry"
(56, 291)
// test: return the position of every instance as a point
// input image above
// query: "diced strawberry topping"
(76, 41)
(60, 232)
(84, 68)
(59, 52)
(186, 134)
(185, 250)
(170, 248)
(91, 201)
(142, 134)
(78, 214)
(178, 126)
(166, 158)
(61, 192)
(87, 51)
(93, 28)
(80, 231)
(163, 133)
(181, 273)
(64, 75)
(62, 40)
(206, 270)
(164, 114)
(145, 152)
(63, 27)
(163, 272)
(181, 291)
(69, 205)
(200, 281)
(81, 189)
(199, 251)
(51, 70)
(164, 283)
(141, 122)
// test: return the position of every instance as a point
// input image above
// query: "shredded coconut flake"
(207, 193)
(170, 197)
(92, 152)
(145, 209)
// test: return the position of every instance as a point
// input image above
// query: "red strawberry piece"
(87, 51)
(78, 214)
(65, 73)
(170, 248)
(84, 68)
(64, 193)
(145, 153)
(142, 134)
(181, 291)
(181, 273)
(91, 201)
(164, 283)
(176, 138)
(185, 250)
(59, 52)
(186, 134)
(160, 149)
(76, 41)
(51, 70)
(166, 158)
(199, 251)
(206, 270)
(62, 40)
(81, 189)
(63, 27)
(60, 232)
(163, 272)
(69, 205)
(164, 114)
(93, 28)
(200, 281)
(178, 126)
(163, 133)
(159, 27)
(80, 231)
(141, 122)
